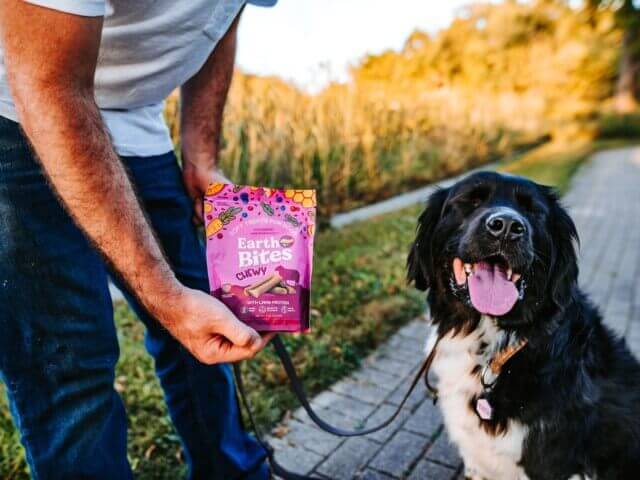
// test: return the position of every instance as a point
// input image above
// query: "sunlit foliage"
(500, 77)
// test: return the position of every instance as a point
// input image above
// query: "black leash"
(298, 390)
(276, 468)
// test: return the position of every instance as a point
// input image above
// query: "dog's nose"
(506, 225)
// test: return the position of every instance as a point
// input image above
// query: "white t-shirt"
(148, 48)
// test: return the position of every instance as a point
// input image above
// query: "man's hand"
(197, 178)
(208, 329)
(50, 58)
(202, 104)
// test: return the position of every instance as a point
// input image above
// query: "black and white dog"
(530, 382)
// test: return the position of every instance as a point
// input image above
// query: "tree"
(627, 16)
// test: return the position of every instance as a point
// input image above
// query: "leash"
(432, 354)
(276, 468)
(299, 391)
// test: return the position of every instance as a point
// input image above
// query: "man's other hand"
(197, 178)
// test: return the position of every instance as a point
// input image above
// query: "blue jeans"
(58, 344)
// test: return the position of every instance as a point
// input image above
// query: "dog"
(530, 382)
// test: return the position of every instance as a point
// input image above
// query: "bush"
(619, 126)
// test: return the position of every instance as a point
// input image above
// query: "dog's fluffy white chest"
(485, 455)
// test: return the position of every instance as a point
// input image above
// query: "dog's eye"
(477, 196)
(471, 199)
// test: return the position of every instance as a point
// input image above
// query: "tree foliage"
(627, 19)
(563, 56)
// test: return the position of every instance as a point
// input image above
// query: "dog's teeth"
(516, 277)
(467, 268)
(509, 274)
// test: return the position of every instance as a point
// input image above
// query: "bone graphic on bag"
(279, 290)
(263, 286)
(283, 289)
(290, 290)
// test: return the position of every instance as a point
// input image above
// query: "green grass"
(359, 298)
(555, 164)
(614, 126)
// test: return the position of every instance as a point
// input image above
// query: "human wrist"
(197, 156)
(162, 295)
(203, 169)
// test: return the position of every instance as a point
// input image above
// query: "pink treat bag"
(260, 253)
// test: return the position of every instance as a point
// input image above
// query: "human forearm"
(69, 138)
(50, 69)
(202, 104)
(50, 73)
(203, 99)
(77, 156)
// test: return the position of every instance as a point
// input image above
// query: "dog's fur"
(568, 404)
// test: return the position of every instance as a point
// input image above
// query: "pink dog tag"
(483, 407)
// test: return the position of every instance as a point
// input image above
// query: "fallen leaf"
(149, 451)
(280, 431)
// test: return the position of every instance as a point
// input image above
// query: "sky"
(311, 42)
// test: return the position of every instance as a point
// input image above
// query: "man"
(82, 85)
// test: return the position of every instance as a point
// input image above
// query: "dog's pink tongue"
(490, 290)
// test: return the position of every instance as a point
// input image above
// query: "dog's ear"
(420, 261)
(563, 275)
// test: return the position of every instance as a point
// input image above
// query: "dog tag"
(484, 409)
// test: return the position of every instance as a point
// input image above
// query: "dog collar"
(483, 406)
(498, 361)
(504, 355)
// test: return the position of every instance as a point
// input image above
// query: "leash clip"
(487, 386)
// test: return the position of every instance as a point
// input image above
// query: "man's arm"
(202, 104)
(50, 59)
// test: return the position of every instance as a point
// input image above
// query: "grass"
(554, 164)
(359, 298)
(615, 126)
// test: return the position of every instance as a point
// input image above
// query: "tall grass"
(498, 78)
(354, 147)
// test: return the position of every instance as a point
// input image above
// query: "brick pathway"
(605, 203)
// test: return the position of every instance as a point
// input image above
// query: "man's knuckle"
(243, 336)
